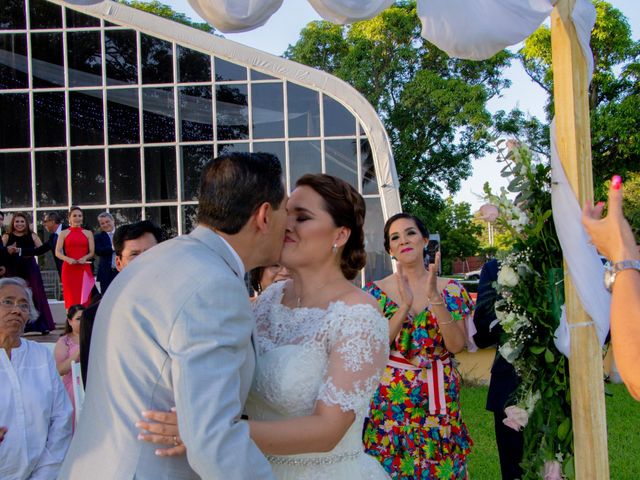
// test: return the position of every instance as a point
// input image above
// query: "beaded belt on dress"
(302, 461)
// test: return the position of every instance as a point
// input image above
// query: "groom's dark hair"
(234, 185)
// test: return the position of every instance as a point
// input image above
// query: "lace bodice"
(305, 355)
(335, 355)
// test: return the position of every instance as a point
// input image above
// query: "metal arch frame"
(349, 97)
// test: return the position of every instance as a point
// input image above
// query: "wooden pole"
(574, 146)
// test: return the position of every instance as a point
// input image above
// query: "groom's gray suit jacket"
(174, 328)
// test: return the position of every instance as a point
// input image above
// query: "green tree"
(165, 11)
(460, 234)
(631, 205)
(614, 93)
(433, 106)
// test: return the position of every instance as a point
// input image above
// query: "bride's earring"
(334, 249)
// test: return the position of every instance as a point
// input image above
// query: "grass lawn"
(623, 420)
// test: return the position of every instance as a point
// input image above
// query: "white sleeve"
(60, 429)
(358, 352)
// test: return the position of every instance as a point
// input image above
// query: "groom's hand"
(162, 429)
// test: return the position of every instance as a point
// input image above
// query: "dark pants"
(510, 445)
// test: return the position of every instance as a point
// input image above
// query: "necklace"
(300, 298)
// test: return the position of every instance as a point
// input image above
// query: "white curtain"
(478, 29)
(349, 11)
(236, 15)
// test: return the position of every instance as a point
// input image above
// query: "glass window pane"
(196, 113)
(341, 160)
(276, 148)
(304, 111)
(85, 114)
(189, 218)
(87, 177)
(15, 180)
(90, 220)
(232, 147)
(193, 160)
(231, 112)
(255, 75)
(378, 260)
(12, 15)
(51, 178)
(160, 173)
(227, 71)
(193, 66)
(369, 179)
(44, 14)
(49, 119)
(80, 20)
(124, 175)
(166, 218)
(47, 63)
(338, 121)
(156, 60)
(121, 57)
(304, 157)
(14, 66)
(84, 59)
(14, 128)
(158, 116)
(123, 118)
(123, 216)
(267, 110)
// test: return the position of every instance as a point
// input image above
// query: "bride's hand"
(162, 429)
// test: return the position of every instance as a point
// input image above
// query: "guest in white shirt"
(35, 411)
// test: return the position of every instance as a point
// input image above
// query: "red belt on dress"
(434, 373)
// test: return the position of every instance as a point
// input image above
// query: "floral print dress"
(415, 428)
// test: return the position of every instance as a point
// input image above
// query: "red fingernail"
(599, 204)
(616, 181)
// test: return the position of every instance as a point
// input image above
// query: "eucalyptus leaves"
(527, 289)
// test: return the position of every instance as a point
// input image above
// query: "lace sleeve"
(358, 351)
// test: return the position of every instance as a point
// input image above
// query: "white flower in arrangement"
(509, 352)
(507, 277)
(530, 401)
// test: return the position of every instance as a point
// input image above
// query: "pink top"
(65, 348)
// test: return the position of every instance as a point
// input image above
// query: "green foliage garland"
(530, 288)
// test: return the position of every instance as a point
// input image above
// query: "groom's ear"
(262, 217)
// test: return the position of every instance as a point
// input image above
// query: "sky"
(284, 27)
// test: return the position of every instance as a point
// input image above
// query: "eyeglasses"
(10, 304)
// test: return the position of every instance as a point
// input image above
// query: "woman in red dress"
(75, 248)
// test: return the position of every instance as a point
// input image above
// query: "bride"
(321, 342)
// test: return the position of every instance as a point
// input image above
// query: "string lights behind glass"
(110, 118)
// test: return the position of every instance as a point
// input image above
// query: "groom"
(175, 328)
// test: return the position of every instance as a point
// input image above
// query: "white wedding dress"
(307, 355)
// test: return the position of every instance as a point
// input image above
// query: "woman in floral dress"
(415, 428)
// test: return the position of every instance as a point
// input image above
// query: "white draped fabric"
(349, 11)
(478, 29)
(474, 30)
(236, 15)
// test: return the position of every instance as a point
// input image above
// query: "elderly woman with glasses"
(35, 412)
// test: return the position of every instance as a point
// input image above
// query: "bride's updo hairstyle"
(347, 209)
